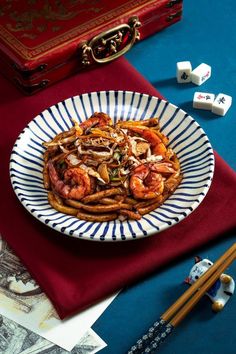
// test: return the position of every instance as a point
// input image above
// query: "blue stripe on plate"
(196, 155)
(41, 209)
(179, 135)
(193, 150)
(25, 174)
(114, 230)
(107, 95)
(105, 231)
(48, 133)
(131, 105)
(36, 197)
(66, 109)
(175, 206)
(91, 103)
(132, 233)
(95, 231)
(116, 107)
(138, 104)
(154, 112)
(123, 106)
(151, 223)
(165, 215)
(19, 177)
(74, 222)
(122, 230)
(194, 176)
(39, 137)
(75, 109)
(188, 194)
(194, 161)
(39, 151)
(82, 104)
(145, 109)
(49, 127)
(29, 196)
(140, 227)
(27, 159)
(40, 186)
(37, 204)
(99, 101)
(55, 224)
(184, 200)
(25, 167)
(176, 126)
(163, 208)
(33, 155)
(207, 165)
(165, 106)
(170, 120)
(39, 144)
(162, 220)
(65, 121)
(57, 217)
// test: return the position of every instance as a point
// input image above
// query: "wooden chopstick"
(204, 288)
(163, 327)
(168, 314)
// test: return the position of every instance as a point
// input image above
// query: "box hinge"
(172, 3)
(30, 89)
(173, 16)
(27, 73)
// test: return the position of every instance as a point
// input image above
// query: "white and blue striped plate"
(186, 138)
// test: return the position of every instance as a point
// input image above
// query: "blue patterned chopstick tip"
(150, 341)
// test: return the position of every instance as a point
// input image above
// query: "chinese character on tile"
(184, 76)
(200, 96)
(221, 100)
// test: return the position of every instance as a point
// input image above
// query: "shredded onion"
(153, 158)
(93, 173)
(73, 159)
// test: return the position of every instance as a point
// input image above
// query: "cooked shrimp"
(172, 182)
(158, 147)
(146, 182)
(163, 167)
(75, 185)
(97, 119)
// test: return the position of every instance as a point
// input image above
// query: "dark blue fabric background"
(205, 34)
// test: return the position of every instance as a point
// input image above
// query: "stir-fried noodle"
(99, 171)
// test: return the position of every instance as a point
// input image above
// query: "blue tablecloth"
(205, 34)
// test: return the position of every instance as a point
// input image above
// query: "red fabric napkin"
(76, 273)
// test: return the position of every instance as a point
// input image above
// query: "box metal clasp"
(112, 43)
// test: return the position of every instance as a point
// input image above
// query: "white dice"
(221, 104)
(203, 100)
(200, 74)
(183, 71)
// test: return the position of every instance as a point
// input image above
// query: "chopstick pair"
(174, 315)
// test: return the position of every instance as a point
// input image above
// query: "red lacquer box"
(42, 42)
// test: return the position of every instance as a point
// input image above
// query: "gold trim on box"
(70, 36)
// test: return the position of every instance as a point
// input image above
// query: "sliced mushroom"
(102, 170)
(141, 148)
